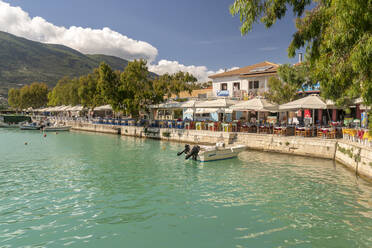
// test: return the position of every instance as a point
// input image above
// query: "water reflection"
(83, 189)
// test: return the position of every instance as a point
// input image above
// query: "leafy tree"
(88, 91)
(280, 92)
(291, 80)
(14, 98)
(65, 92)
(337, 37)
(34, 95)
(136, 90)
(175, 83)
(108, 85)
(38, 95)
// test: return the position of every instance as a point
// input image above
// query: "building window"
(236, 86)
(224, 86)
(254, 84)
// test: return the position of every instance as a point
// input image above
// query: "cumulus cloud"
(16, 21)
(200, 72)
(86, 40)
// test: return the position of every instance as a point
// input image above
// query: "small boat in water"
(212, 153)
(56, 128)
(30, 126)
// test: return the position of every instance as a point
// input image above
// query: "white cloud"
(86, 40)
(200, 72)
(92, 41)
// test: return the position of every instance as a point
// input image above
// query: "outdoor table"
(244, 128)
(198, 126)
(234, 127)
(211, 126)
(179, 124)
(263, 129)
(278, 130)
(324, 132)
(170, 124)
(226, 127)
(367, 138)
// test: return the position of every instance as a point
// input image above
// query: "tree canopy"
(292, 79)
(336, 35)
(130, 91)
(34, 95)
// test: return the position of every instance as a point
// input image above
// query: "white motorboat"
(212, 153)
(219, 152)
(29, 126)
(56, 128)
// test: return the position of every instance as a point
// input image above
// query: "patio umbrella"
(309, 102)
(188, 104)
(167, 105)
(256, 104)
(219, 103)
(104, 107)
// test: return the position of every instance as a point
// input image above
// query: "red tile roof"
(263, 68)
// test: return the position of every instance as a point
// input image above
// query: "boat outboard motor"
(194, 153)
(186, 150)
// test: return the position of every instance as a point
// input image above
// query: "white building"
(244, 82)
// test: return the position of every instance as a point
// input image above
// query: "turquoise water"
(91, 190)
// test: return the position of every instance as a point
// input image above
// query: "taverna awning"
(206, 110)
(219, 103)
(256, 104)
(167, 105)
(308, 102)
(75, 108)
(103, 108)
(188, 104)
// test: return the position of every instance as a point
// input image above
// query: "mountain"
(24, 61)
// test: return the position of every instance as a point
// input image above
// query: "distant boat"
(212, 153)
(56, 128)
(30, 126)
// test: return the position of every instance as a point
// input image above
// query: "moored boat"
(56, 128)
(212, 153)
(30, 126)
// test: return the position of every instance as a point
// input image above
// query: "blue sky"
(194, 32)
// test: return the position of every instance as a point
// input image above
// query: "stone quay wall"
(89, 127)
(353, 155)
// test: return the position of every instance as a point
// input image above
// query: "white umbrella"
(309, 102)
(104, 107)
(207, 110)
(256, 104)
(167, 105)
(189, 111)
(188, 104)
(77, 108)
(219, 103)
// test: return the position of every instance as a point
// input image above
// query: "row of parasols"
(69, 108)
(223, 105)
(256, 104)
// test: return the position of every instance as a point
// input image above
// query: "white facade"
(242, 85)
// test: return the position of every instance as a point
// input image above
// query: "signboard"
(364, 119)
(223, 93)
(307, 113)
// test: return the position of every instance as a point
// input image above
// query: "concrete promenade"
(356, 157)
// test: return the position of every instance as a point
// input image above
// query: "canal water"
(91, 190)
